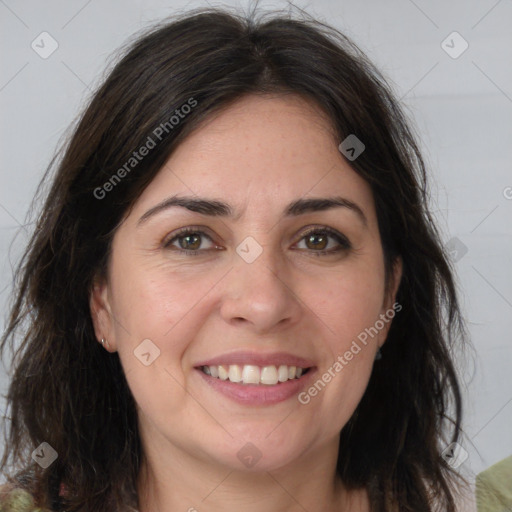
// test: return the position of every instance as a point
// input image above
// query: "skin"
(259, 154)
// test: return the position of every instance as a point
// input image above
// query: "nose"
(259, 295)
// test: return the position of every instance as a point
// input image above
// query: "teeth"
(251, 374)
(223, 373)
(282, 373)
(235, 373)
(269, 375)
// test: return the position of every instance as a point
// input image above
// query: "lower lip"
(258, 394)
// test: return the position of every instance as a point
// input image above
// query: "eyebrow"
(216, 208)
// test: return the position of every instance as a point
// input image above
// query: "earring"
(103, 341)
(378, 355)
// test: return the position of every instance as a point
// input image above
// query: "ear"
(101, 313)
(390, 307)
(394, 282)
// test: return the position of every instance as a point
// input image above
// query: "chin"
(257, 454)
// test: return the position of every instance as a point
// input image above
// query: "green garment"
(494, 488)
(16, 500)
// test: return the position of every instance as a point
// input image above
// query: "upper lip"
(257, 359)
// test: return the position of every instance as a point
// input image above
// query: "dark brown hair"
(68, 392)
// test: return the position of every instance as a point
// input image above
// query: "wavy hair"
(66, 391)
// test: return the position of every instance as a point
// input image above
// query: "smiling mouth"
(252, 374)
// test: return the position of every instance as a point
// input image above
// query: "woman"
(235, 294)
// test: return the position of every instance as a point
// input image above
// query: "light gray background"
(462, 108)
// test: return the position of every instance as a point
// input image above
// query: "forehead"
(259, 153)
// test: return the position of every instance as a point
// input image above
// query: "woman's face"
(265, 281)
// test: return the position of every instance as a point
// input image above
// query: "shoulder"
(17, 499)
(493, 489)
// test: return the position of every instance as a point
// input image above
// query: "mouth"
(271, 375)
(254, 385)
(255, 378)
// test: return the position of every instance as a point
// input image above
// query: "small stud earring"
(378, 355)
(103, 341)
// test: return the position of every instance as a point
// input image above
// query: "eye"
(320, 241)
(324, 241)
(190, 241)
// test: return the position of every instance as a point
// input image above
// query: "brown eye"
(190, 241)
(325, 241)
(316, 241)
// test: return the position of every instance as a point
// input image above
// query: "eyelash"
(341, 239)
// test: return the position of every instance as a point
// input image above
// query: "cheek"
(159, 317)
(154, 300)
(167, 308)
(348, 387)
(349, 302)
